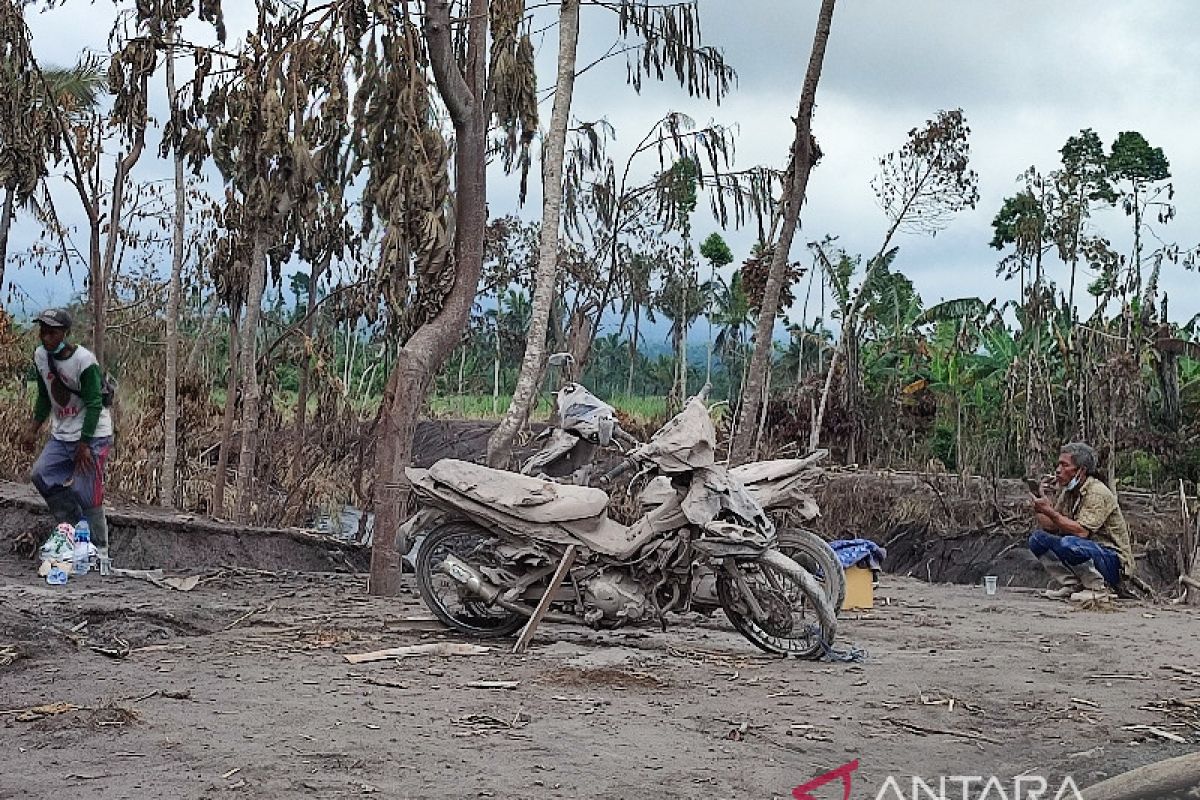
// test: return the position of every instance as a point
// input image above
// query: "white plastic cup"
(989, 584)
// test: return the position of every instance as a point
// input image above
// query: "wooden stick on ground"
(543, 605)
(923, 730)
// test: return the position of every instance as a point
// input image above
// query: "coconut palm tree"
(733, 319)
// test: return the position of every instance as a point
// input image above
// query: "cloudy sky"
(1027, 73)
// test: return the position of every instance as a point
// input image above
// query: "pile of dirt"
(445, 438)
(465, 440)
(944, 528)
(149, 538)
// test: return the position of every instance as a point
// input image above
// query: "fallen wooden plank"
(432, 649)
(1159, 732)
(493, 684)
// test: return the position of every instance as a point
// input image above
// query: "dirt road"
(239, 688)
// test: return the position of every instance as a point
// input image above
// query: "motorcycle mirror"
(560, 360)
(605, 430)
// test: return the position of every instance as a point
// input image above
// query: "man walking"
(1081, 538)
(69, 473)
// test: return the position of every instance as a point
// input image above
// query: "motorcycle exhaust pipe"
(476, 582)
(470, 577)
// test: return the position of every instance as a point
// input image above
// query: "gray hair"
(1082, 454)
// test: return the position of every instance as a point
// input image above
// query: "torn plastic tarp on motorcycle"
(581, 411)
(716, 492)
(685, 443)
(784, 482)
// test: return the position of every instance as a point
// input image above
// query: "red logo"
(843, 772)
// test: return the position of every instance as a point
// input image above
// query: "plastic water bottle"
(83, 540)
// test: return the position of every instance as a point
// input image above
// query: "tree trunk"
(760, 434)
(462, 369)
(300, 432)
(1136, 277)
(351, 347)
(96, 289)
(674, 401)
(802, 164)
(249, 369)
(6, 217)
(851, 388)
(533, 365)
(423, 355)
(633, 339)
(579, 340)
(166, 493)
(683, 358)
(496, 364)
(104, 270)
(804, 331)
(227, 419)
(1071, 293)
(814, 433)
(1168, 378)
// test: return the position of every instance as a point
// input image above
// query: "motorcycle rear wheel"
(450, 601)
(814, 554)
(801, 622)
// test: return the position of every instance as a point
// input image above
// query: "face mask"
(1073, 483)
(61, 346)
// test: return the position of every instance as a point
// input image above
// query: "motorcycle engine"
(617, 597)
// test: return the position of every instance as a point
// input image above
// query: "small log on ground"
(1151, 782)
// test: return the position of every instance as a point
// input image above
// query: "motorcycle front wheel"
(798, 620)
(450, 601)
(814, 554)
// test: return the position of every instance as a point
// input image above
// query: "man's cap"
(55, 318)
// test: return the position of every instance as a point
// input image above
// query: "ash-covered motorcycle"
(493, 539)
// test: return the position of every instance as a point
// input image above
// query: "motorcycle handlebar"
(617, 471)
(621, 436)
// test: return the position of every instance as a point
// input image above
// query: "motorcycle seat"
(522, 496)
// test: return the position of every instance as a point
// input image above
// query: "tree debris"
(32, 713)
(1156, 731)
(432, 649)
(921, 729)
(493, 684)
